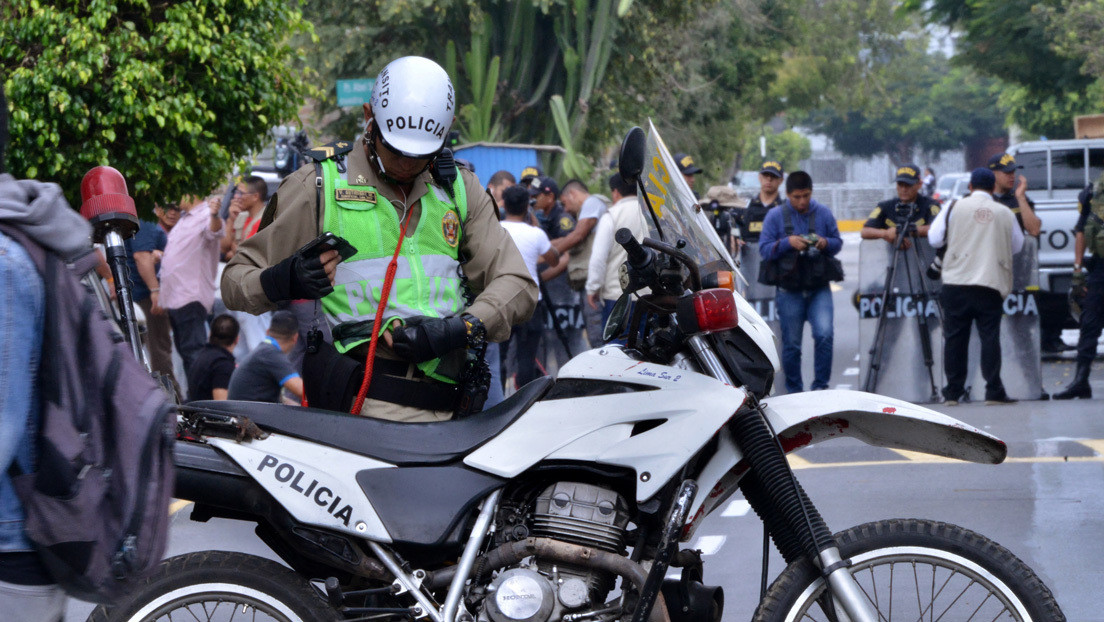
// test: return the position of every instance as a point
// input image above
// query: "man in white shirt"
(603, 285)
(981, 236)
(534, 245)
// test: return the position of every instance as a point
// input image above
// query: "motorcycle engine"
(543, 590)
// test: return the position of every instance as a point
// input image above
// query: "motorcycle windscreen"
(673, 214)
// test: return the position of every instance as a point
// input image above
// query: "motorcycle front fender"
(804, 419)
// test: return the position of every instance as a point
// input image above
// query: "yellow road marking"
(177, 505)
(1096, 445)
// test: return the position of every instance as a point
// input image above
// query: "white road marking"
(738, 507)
(709, 545)
(856, 357)
(851, 371)
(844, 387)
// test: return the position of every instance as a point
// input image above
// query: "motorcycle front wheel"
(913, 569)
(217, 586)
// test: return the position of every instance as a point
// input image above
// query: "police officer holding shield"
(397, 198)
(910, 211)
(898, 221)
(1087, 289)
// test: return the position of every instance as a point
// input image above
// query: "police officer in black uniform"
(1087, 290)
(564, 304)
(909, 208)
(750, 219)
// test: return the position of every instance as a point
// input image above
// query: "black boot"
(1079, 388)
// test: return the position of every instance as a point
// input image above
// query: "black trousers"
(189, 324)
(963, 306)
(1092, 314)
(524, 342)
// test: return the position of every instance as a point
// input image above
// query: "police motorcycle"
(572, 500)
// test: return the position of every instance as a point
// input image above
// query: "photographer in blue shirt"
(802, 238)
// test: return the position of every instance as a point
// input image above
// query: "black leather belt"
(389, 384)
(333, 380)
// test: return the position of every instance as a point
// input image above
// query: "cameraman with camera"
(798, 245)
(911, 213)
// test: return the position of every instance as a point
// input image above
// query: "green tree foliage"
(570, 72)
(171, 93)
(1034, 46)
(1077, 30)
(716, 73)
(930, 108)
(840, 51)
(787, 147)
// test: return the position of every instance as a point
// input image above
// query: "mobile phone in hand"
(328, 241)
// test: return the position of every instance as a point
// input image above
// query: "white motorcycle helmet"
(413, 105)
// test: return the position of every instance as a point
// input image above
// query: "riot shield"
(1021, 364)
(892, 361)
(760, 296)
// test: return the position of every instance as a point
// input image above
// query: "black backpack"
(97, 505)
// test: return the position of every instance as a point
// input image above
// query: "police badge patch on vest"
(349, 194)
(450, 226)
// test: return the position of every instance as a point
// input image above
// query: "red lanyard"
(388, 280)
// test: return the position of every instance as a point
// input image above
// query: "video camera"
(811, 250)
(905, 214)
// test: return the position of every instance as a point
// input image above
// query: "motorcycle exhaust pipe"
(690, 601)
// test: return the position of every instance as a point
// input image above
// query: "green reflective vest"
(427, 281)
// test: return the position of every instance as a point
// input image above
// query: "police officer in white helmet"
(458, 279)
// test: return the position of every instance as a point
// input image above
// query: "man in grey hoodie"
(39, 211)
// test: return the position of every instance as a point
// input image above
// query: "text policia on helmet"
(413, 103)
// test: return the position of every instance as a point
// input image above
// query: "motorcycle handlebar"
(638, 257)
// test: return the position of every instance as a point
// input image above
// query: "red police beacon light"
(106, 204)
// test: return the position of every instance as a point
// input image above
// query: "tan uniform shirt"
(506, 294)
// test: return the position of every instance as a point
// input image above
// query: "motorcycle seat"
(402, 444)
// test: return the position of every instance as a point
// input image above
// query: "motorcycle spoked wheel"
(218, 586)
(914, 569)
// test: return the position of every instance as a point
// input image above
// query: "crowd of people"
(383, 280)
(564, 236)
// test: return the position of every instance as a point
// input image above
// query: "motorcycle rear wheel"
(216, 586)
(914, 569)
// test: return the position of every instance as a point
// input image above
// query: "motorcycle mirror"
(631, 160)
(618, 315)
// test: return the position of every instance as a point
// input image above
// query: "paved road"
(1045, 503)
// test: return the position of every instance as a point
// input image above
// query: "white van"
(1056, 171)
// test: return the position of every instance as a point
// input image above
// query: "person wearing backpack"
(39, 211)
(86, 434)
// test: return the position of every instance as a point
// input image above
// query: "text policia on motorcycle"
(531, 510)
(424, 277)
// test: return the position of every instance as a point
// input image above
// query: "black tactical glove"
(426, 338)
(296, 278)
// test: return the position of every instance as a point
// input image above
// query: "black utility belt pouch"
(775, 271)
(332, 381)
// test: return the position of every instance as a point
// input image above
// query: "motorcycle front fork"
(850, 602)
